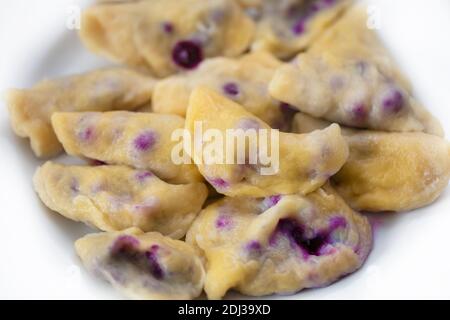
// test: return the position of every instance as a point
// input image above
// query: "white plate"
(410, 258)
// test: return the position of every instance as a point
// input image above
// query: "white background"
(410, 258)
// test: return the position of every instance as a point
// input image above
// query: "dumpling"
(144, 265)
(114, 198)
(294, 163)
(244, 80)
(348, 77)
(388, 171)
(287, 27)
(279, 244)
(166, 36)
(100, 90)
(139, 140)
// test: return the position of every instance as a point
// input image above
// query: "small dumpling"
(244, 80)
(279, 244)
(113, 198)
(388, 171)
(143, 265)
(139, 140)
(287, 27)
(294, 163)
(348, 77)
(101, 90)
(166, 36)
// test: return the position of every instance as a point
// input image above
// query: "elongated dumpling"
(101, 90)
(286, 27)
(114, 198)
(274, 163)
(388, 171)
(166, 35)
(144, 265)
(139, 140)
(279, 244)
(348, 77)
(244, 80)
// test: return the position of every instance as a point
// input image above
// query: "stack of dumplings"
(352, 139)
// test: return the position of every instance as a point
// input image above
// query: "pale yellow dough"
(306, 161)
(286, 27)
(100, 90)
(134, 33)
(247, 79)
(388, 171)
(279, 244)
(144, 265)
(348, 77)
(114, 198)
(139, 140)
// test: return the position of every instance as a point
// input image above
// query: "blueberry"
(187, 54)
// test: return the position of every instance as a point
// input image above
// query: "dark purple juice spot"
(124, 245)
(253, 245)
(287, 109)
(154, 266)
(223, 222)
(299, 26)
(86, 134)
(219, 183)
(145, 141)
(328, 3)
(359, 112)
(337, 222)
(143, 175)
(167, 27)
(231, 89)
(271, 201)
(296, 234)
(393, 102)
(187, 54)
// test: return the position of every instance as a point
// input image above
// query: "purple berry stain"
(153, 263)
(145, 141)
(124, 245)
(219, 183)
(271, 201)
(310, 246)
(393, 103)
(167, 27)
(143, 175)
(187, 54)
(359, 112)
(86, 134)
(253, 246)
(223, 222)
(231, 89)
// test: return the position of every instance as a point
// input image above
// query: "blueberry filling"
(145, 141)
(126, 250)
(359, 112)
(187, 54)
(223, 222)
(86, 134)
(231, 89)
(304, 12)
(124, 245)
(393, 103)
(271, 201)
(219, 183)
(296, 234)
(167, 27)
(143, 175)
(152, 259)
